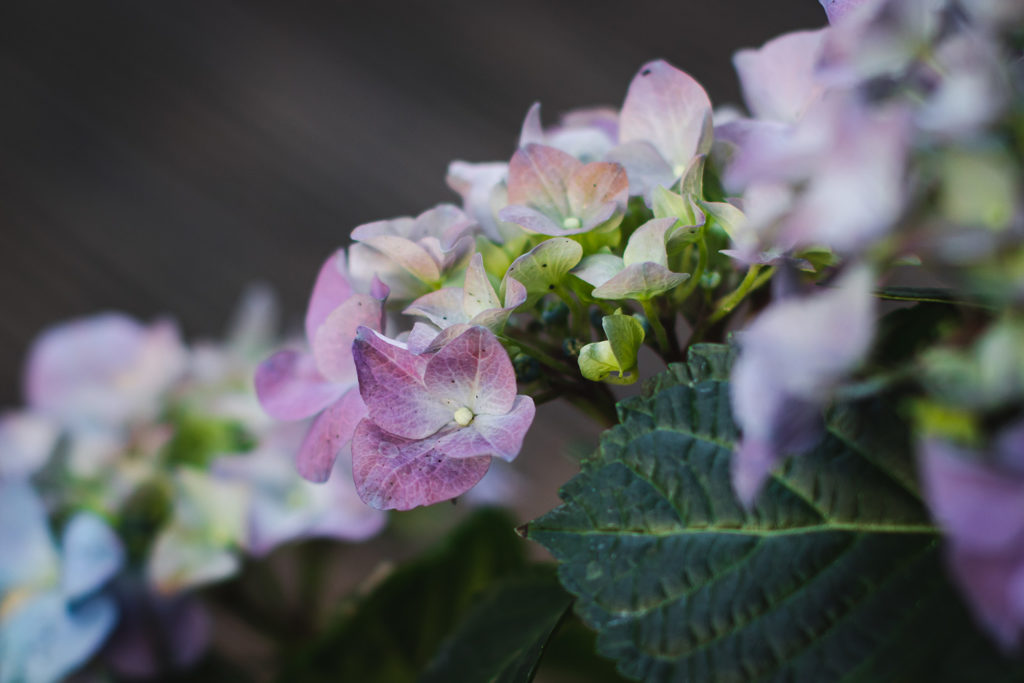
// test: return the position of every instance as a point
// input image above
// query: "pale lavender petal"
(778, 80)
(500, 436)
(994, 587)
(532, 131)
(515, 294)
(645, 167)
(391, 384)
(328, 434)
(26, 442)
(593, 187)
(290, 387)
(443, 307)
(980, 507)
(472, 371)
(46, 640)
(477, 184)
(670, 110)
(92, 555)
(598, 269)
(640, 281)
(445, 222)
(379, 290)
(837, 9)
(538, 176)
(532, 220)
(332, 288)
(395, 473)
(332, 345)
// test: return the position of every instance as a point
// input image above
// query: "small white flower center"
(464, 416)
(571, 223)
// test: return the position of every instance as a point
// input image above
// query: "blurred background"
(156, 157)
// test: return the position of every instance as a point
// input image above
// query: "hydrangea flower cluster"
(885, 148)
(138, 470)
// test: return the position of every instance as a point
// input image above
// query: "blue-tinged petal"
(92, 555)
(28, 555)
(44, 640)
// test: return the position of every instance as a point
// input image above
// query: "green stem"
(753, 279)
(541, 356)
(702, 263)
(655, 320)
(578, 311)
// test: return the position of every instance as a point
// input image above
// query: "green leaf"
(392, 634)
(617, 354)
(502, 638)
(542, 269)
(835, 574)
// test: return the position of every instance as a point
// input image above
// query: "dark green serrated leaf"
(394, 632)
(502, 638)
(834, 575)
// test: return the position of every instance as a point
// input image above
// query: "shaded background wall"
(156, 157)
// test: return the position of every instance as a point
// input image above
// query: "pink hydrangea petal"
(26, 442)
(515, 294)
(395, 473)
(329, 433)
(669, 109)
(379, 290)
(532, 132)
(477, 183)
(332, 288)
(332, 345)
(596, 185)
(472, 371)
(420, 337)
(290, 387)
(443, 307)
(477, 292)
(500, 436)
(533, 220)
(538, 176)
(445, 337)
(391, 384)
(645, 167)
(445, 222)
(778, 80)
(411, 256)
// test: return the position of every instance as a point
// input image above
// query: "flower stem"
(698, 272)
(578, 311)
(655, 321)
(753, 279)
(541, 355)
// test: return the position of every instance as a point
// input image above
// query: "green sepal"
(614, 360)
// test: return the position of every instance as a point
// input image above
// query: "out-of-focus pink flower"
(837, 9)
(978, 500)
(792, 356)
(434, 423)
(778, 79)
(294, 385)
(107, 369)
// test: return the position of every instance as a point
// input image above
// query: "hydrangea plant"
(826, 291)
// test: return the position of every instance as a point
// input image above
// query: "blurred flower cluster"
(880, 161)
(138, 470)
